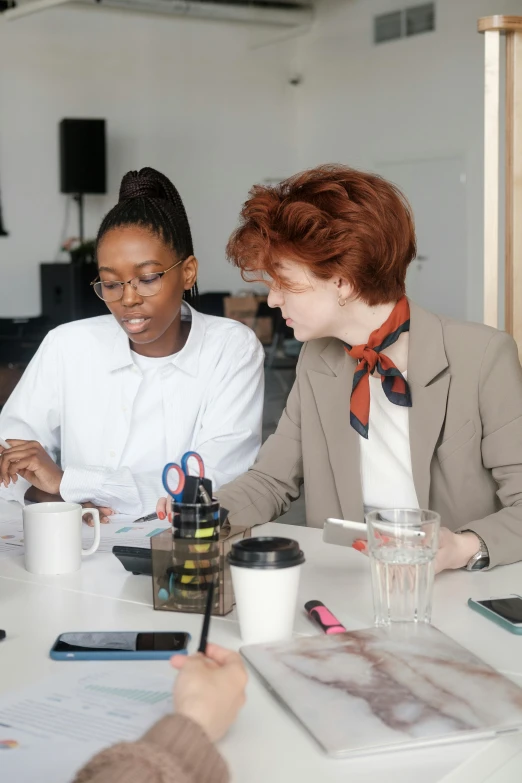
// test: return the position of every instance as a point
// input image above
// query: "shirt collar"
(186, 360)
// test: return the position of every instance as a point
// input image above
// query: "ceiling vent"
(402, 24)
(420, 19)
(387, 27)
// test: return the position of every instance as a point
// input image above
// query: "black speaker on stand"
(83, 161)
(65, 290)
(3, 232)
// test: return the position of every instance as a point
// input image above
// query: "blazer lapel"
(332, 396)
(429, 381)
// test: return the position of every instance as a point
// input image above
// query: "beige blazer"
(465, 436)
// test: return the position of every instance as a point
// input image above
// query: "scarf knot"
(369, 358)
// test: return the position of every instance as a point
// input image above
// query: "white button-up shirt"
(77, 398)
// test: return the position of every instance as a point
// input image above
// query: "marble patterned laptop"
(382, 689)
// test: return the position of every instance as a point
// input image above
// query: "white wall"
(416, 98)
(208, 105)
(200, 101)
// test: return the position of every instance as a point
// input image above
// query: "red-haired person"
(393, 406)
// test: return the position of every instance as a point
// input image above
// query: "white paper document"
(11, 538)
(122, 532)
(48, 731)
(10, 512)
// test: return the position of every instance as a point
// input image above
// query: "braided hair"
(149, 199)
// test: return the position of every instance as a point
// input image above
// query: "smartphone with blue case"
(119, 645)
(506, 612)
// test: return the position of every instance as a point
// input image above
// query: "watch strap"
(481, 558)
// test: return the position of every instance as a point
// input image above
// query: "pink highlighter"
(317, 611)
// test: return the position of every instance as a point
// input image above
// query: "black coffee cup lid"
(266, 552)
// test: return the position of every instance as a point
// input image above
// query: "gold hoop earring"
(341, 302)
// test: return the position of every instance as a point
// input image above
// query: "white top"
(386, 473)
(147, 405)
(81, 397)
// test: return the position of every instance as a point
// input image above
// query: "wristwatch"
(481, 558)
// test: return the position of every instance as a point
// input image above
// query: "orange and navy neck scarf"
(369, 358)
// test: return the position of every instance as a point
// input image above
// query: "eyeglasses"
(146, 285)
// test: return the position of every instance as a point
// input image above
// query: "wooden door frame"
(493, 27)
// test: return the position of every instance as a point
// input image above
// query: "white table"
(266, 743)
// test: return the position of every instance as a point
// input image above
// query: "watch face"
(478, 562)
(481, 558)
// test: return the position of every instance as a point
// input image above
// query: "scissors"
(174, 476)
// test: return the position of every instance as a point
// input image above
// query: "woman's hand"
(164, 508)
(105, 514)
(210, 689)
(29, 459)
(455, 550)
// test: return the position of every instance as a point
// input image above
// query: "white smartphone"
(344, 532)
(4, 444)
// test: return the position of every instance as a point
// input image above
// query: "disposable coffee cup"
(265, 575)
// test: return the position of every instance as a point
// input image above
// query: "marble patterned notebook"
(382, 689)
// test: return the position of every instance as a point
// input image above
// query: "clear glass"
(402, 544)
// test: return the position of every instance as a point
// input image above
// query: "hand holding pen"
(211, 687)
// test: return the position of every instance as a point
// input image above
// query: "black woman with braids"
(107, 401)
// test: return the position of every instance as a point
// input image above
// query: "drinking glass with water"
(402, 545)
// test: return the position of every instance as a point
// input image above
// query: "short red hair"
(336, 221)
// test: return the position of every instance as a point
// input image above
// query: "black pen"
(2, 635)
(148, 518)
(206, 620)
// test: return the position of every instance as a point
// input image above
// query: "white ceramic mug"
(53, 537)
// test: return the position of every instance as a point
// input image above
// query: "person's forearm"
(255, 498)
(104, 487)
(39, 496)
(174, 750)
(126, 763)
(502, 534)
(466, 545)
(267, 490)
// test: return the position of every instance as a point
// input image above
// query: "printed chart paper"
(49, 730)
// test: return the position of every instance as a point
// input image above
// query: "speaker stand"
(78, 197)
(3, 232)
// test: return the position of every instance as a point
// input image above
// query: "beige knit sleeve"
(174, 750)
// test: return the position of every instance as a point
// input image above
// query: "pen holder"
(189, 556)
